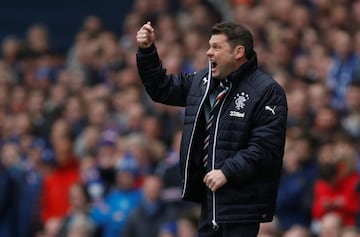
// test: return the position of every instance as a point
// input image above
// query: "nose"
(209, 53)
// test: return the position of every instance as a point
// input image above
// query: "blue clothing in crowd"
(341, 74)
(7, 204)
(29, 203)
(112, 214)
(294, 197)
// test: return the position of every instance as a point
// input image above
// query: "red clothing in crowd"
(55, 199)
(341, 198)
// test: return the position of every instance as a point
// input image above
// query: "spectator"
(138, 146)
(37, 38)
(10, 165)
(297, 181)
(106, 159)
(10, 48)
(168, 29)
(98, 113)
(169, 170)
(188, 222)
(325, 125)
(270, 229)
(330, 225)
(204, 15)
(90, 177)
(93, 25)
(34, 166)
(132, 22)
(151, 213)
(66, 173)
(297, 231)
(351, 121)
(87, 141)
(319, 95)
(152, 131)
(298, 107)
(73, 113)
(77, 222)
(184, 226)
(7, 204)
(51, 228)
(342, 67)
(111, 215)
(335, 190)
(54, 103)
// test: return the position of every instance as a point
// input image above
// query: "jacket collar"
(244, 70)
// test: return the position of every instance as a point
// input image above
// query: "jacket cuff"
(226, 173)
(147, 50)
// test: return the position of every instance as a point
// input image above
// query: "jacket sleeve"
(162, 88)
(265, 148)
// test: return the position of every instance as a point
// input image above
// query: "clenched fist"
(145, 37)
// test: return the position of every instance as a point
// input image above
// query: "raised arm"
(162, 88)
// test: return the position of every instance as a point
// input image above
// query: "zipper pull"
(215, 225)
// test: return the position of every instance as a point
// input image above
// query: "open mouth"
(213, 65)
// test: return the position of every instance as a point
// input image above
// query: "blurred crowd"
(85, 152)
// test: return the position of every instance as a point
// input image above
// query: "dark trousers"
(227, 229)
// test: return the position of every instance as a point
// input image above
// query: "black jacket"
(247, 141)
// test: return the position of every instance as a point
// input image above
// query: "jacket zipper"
(214, 223)
(193, 131)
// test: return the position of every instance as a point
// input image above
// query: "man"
(150, 213)
(111, 214)
(234, 134)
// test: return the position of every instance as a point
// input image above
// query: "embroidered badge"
(205, 80)
(272, 110)
(240, 100)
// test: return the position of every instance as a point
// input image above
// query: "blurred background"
(63, 19)
(85, 152)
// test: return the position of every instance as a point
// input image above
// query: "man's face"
(221, 56)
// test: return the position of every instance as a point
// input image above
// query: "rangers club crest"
(240, 100)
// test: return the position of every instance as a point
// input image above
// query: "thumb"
(151, 28)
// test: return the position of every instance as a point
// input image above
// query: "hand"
(214, 180)
(145, 37)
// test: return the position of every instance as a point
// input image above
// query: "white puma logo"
(272, 110)
(205, 80)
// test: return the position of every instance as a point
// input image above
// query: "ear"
(239, 52)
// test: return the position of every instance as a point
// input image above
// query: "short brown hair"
(236, 35)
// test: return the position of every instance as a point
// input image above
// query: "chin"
(215, 75)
